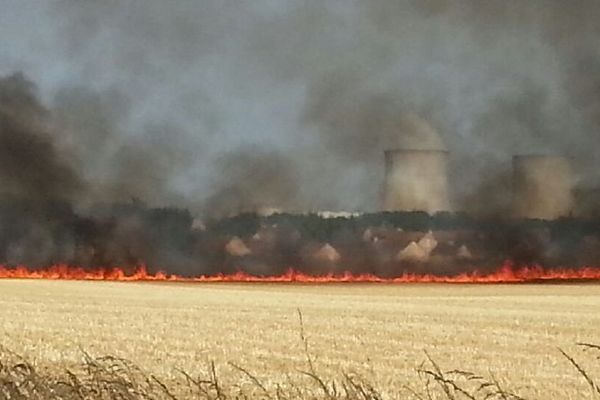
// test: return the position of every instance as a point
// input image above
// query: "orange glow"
(506, 274)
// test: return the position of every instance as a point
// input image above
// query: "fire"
(506, 274)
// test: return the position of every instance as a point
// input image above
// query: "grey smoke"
(150, 97)
(252, 179)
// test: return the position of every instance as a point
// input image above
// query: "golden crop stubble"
(379, 331)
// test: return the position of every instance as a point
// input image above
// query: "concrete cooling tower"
(416, 180)
(542, 187)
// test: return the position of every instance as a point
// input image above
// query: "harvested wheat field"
(375, 331)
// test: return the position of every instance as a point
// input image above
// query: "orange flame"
(506, 274)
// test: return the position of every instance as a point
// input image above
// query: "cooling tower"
(542, 187)
(416, 180)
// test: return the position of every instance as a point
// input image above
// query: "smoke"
(537, 196)
(30, 165)
(154, 95)
(222, 107)
(119, 164)
(251, 180)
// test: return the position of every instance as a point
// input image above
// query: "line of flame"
(505, 274)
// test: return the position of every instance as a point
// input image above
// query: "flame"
(506, 274)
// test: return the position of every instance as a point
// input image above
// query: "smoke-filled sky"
(215, 105)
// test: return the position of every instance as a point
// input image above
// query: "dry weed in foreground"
(110, 377)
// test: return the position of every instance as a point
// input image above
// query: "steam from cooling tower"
(416, 177)
(542, 187)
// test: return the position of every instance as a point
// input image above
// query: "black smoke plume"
(30, 165)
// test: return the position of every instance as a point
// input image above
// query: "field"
(376, 331)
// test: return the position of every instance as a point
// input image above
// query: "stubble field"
(379, 332)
